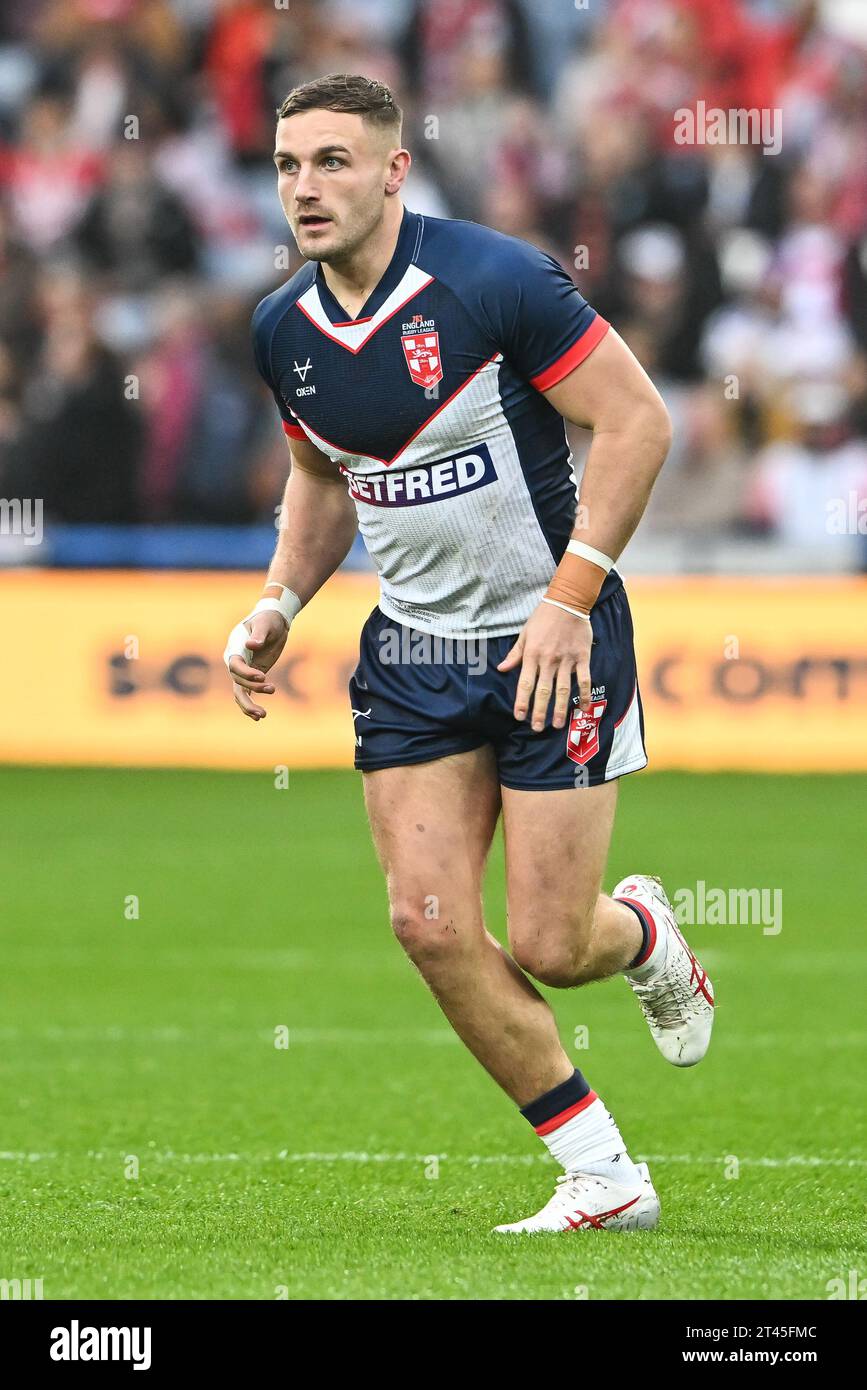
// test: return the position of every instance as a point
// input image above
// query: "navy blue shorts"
(413, 701)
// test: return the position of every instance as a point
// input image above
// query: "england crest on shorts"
(422, 353)
(582, 735)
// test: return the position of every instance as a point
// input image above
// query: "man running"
(423, 369)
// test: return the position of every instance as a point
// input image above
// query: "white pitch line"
(218, 958)
(21, 1156)
(790, 1161)
(436, 1037)
(471, 1160)
(428, 1037)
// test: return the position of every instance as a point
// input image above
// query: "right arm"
(317, 528)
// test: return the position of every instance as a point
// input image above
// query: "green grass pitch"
(147, 1046)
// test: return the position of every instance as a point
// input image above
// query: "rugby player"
(423, 369)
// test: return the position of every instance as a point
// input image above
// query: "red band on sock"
(651, 930)
(557, 1120)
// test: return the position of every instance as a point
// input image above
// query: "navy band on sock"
(552, 1103)
(645, 932)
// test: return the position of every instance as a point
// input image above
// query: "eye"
(333, 161)
(286, 165)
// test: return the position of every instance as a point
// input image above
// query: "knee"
(560, 968)
(561, 961)
(426, 940)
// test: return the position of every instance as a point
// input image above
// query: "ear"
(399, 162)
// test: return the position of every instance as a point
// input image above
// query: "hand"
(551, 645)
(268, 633)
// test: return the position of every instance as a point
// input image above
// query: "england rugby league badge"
(421, 349)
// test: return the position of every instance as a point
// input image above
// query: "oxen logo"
(582, 735)
(422, 353)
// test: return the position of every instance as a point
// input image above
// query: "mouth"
(313, 221)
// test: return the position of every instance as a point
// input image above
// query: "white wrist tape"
(237, 645)
(576, 613)
(589, 552)
(288, 605)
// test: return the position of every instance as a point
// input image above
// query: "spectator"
(807, 490)
(77, 439)
(136, 230)
(47, 207)
(740, 279)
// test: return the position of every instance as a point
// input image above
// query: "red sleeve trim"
(572, 356)
(293, 431)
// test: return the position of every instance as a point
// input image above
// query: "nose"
(306, 190)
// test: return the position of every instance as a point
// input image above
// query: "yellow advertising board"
(125, 668)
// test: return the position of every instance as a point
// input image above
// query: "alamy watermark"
(729, 907)
(404, 646)
(15, 1289)
(22, 516)
(711, 125)
(846, 516)
(851, 1287)
(77, 1343)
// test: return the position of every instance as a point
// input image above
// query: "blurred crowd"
(139, 226)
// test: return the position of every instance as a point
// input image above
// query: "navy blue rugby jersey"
(430, 405)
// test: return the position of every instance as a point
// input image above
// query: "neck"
(352, 280)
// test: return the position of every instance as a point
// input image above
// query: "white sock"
(590, 1142)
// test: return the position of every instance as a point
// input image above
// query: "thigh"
(556, 850)
(432, 825)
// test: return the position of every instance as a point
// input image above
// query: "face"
(334, 173)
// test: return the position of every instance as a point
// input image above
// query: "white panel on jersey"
(449, 522)
(354, 335)
(627, 749)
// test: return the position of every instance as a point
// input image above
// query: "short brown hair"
(345, 91)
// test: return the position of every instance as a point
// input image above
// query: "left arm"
(611, 394)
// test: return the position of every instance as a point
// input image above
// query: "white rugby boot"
(587, 1202)
(674, 992)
